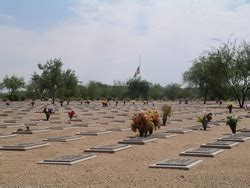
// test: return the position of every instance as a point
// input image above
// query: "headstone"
(179, 131)
(94, 133)
(137, 140)
(235, 138)
(108, 148)
(30, 131)
(6, 135)
(119, 129)
(61, 127)
(220, 144)
(201, 152)
(10, 125)
(63, 138)
(23, 146)
(162, 135)
(178, 163)
(246, 130)
(68, 159)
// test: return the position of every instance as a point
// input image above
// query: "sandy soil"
(127, 168)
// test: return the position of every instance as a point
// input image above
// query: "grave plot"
(177, 120)
(108, 148)
(235, 138)
(177, 163)
(137, 140)
(201, 152)
(10, 125)
(9, 121)
(68, 159)
(63, 138)
(247, 130)
(61, 127)
(162, 135)
(30, 131)
(195, 128)
(94, 133)
(2, 135)
(179, 131)
(87, 124)
(119, 129)
(220, 144)
(23, 146)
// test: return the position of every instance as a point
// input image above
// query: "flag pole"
(140, 65)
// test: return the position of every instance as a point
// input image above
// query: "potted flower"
(204, 119)
(145, 122)
(230, 107)
(71, 114)
(232, 121)
(166, 112)
(47, 112)
(154, 115)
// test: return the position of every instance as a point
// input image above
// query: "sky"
(102, 40)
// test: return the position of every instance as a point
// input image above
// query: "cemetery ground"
(123, 168)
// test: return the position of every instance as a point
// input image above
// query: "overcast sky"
(102, 39)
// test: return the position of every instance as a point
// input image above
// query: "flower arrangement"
(230, 107)
(144, 122)
(166, 112)
(232, 121)
(204, 119)
(154, 115)
(104, 103)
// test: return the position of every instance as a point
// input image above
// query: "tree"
(198, 75)
(237, 60)
(69, 84)
(51, 78)
(156, 92)
(13, 84)
(138, 88)
(173, 91)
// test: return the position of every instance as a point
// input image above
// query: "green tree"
(69, 84)
(138, 88)
(237, 59)
(12, 84)
(173, 91)
(199, 75)
(51, 78)
(156, 91)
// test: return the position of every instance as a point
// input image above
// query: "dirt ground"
(126, 168)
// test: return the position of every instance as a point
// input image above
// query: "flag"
(137, 71)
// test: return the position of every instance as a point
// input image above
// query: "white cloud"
(105, 39)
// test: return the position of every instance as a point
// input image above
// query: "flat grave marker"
(10, 125)
(246, 130)
(119, 129)
(2, 135)
(64, 138)
(177, 163)
(62, 127)
(30, 131)
(220, 144)
(137, 140)
(201, 152)
(68, 159)
(93, 133)
(23, 146)
(235, 138)
(162, 135)
(108, 148)
(179, 131)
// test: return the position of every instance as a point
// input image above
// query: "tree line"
(221, 73)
